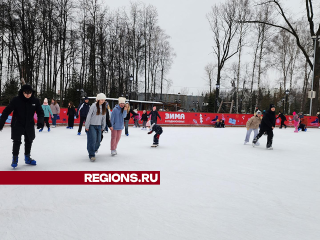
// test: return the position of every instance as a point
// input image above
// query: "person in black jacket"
(71, 113)
(283, 119)
(267, 125)
(144, 119)
(154, 115)
(23, 106)
(127, 118)
(158, 130)
(83, 109)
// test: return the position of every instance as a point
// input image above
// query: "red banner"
(79, 178)
(191, 118)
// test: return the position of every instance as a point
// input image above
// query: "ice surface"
(212, 187)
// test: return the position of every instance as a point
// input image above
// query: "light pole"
(287, 93)
(217, 90)
(314, 64)
(283, 104)
(130, 82)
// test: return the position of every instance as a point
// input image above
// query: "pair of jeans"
(126, 125)
(54, 119)
(115, 138)
(93, 139)
(136, 123)
(17, 143)
(255, 131)
(82, 119)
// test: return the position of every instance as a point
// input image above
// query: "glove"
(150, 132)
(39, 125)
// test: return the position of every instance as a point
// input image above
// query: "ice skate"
(29, 160)
(155, 145)
(92, 159)
(245, 142)
(113, 152)
(49, 129)
(14, 163)
(41, 130)
(269, 146)
(79, 133)
(254, 141)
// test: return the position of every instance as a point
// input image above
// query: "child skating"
(253, 125)
(267, 125)
(144, 119)
(47, 111)
(158, 130)
(296, 121)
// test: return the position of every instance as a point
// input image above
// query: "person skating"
(303, 124)
(127, 118)
(96, 121)
(118, 115)
(136, 119)
(154, 115)
(158, 130)
(144, 119)
(83, 108)
(55, 108)
(253, 125)
(23, 107)
(71, 114)
(267, 125)
(283, 119)
(296, 121)
(47, 112)
(108, 109)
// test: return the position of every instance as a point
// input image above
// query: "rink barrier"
(189, 119)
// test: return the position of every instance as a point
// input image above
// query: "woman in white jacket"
(96, 121)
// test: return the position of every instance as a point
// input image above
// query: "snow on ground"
(212, 187)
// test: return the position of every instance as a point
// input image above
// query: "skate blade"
(270, 148)
(154, 145)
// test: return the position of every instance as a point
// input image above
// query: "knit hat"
(272, 105)
(294, 113)
(258, 112)
(45, 100)
(27, 88)
(86, 98)
(101, 96)
(121, 100)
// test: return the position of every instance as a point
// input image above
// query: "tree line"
(263, 54)
(59, 46)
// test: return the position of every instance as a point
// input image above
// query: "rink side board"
(189, 118)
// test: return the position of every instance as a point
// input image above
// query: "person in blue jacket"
(83, 108)
(118, 114)
(47, 111)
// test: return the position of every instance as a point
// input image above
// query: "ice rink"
(212, 187)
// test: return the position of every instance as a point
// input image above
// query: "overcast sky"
(185, 21)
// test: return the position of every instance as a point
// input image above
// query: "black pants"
(269, 133)
(152, 122)
(302, 126)
(282, 124)
(82, 119)
(17, 143)
(156, 137)
(46, 120)
(71, 121)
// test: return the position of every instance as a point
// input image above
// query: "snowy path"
(212, 187)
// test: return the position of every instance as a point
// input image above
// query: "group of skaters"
(264, 124)
(96, 117)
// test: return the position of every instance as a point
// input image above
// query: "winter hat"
(294, 113)
(258, 112)
(121, 100)
(27, 88)
(101, 96)
(45, 100)
(86, 98)
(272, 105)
